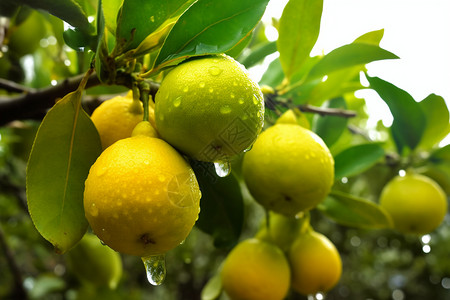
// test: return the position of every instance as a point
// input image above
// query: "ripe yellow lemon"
(416, 203)
(88, 255)
(116, 118)
(141, 196)
(209, 108)
(256, 270)
(315, 263)
(289, 169)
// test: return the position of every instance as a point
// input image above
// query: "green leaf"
(274, 74)
(222, 213)
(140, 18)
(355, 212)
(210, 27)
(357, 159)
(110, 10)
(372, 37)
(437, 119)
(409, 119)
(330, 128)
(212, 289)
(441, 155)
(65, 147)
(298, 32)
(348, 56)
(258, 54)
(239, 47)
(68, 10)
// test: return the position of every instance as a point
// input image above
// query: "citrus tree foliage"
(60, 59)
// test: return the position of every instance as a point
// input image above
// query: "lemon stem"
(144, 88)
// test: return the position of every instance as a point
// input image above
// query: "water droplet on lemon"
(215, 71)
(225, 109)
(155, 267)
(223, 168)
(177, 102)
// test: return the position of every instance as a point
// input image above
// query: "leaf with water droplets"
(222, 25)
(65, 147)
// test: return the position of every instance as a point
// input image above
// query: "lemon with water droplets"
(256, 270)
(416, 203)
(209, 108)
(289, 169)
(315, 263)
(116, 118)
(141, 196)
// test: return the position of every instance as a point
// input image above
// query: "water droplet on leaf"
(155, 266)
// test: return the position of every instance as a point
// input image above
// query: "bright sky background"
(415, 30)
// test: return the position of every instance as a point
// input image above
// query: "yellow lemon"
(116, 118)
(416, 203)
(289, 169)
(88, 255)
(141, 196)
(209, 108)
(315, 263)
(256, 270)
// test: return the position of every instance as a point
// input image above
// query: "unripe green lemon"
(315, 263)
(416, 203)
(289, 169)
(94, 263)
(209, 108)
(256, 270)
(141, 197)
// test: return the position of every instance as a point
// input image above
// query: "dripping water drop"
(155, 266)
(223, 168)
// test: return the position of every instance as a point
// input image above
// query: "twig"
(327, 111)
(11, 86)
(34, 102)
(19, 292)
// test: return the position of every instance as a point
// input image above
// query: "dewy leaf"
(67, 10)
(140, 18)
(210, 27)
(298, 32)
(65, 147)
(222, 212)
(409, 119)
(356, 159)
(437, 116)
(347, 56)
(356, 212)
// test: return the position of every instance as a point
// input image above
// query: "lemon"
(282, 230)
(209, 108)
(141, 197)
(289, 169)
(416, 203)
(94, 263)
(315, 263)
(116, 118)
(256, 270)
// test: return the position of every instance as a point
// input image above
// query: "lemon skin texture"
(209, 108)
(88, 255)
(289, 169)
(416, 203)
(256, 270)
(116, 118)
(141, 197)
(315, 263)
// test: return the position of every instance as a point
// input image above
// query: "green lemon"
(209, 108)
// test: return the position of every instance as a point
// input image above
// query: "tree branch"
(33, 102)
(12, 87)
(327, 111)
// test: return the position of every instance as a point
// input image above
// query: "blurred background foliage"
(377, 264)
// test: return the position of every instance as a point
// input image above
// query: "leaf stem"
(144, 89)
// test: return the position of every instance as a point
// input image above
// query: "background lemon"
(289, 169)
(94, 263)
(116, 118)
(209, 108)
(256, 270)
(416, 203)
(141, 197)
(315, 263)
